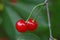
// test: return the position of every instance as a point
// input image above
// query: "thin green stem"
(41, 4)
(38, 12)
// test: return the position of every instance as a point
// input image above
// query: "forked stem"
(35, 18)
(48, 14)
(41, 4)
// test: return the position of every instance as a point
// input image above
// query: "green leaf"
(28, 36)
(1, 19)
(55, 17)
(10, 18)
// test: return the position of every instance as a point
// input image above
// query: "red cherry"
(21, 26)
(31, 24)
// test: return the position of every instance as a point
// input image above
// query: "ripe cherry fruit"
(21, 26)
(31, 24)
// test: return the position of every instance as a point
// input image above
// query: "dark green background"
(12, 13)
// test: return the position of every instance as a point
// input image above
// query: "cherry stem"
(41, 4)
(49, 23)
(38, 13)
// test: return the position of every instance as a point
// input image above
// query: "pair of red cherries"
(22, 26)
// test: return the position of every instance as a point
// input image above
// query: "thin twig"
(49, 22)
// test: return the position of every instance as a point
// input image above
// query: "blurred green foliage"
(21, 10)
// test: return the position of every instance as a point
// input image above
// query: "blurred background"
(13, 10)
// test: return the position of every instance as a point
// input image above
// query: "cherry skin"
(31, 24)
(21, 26)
